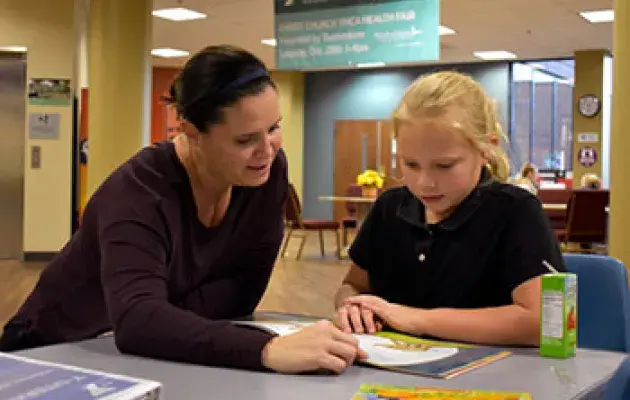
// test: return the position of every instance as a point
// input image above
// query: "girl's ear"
(493, 141)
(486, 151)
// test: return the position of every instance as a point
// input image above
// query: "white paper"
(381, 351)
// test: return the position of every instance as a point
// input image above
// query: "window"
(541, 114)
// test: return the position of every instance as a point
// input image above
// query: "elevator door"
(12, 132)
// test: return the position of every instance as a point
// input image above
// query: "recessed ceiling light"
(494, 55)
(598, 16)
(371, 64)
(445, 30)
(270, 42)
(13, 49)
(178, 14)
(169, 53)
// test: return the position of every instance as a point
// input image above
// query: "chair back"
(351, 206)
(587, 218)
(554, 196)
(618, 387)
(558, 218)
(603, 301)
(293, 209)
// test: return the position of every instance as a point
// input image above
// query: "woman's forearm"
(507, 325)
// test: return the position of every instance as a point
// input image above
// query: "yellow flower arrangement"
(370, 178)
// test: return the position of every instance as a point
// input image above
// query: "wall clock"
(589, 105)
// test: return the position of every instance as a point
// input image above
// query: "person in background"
(528, 178)
(183, 237)
(590, 181)
(455, 253)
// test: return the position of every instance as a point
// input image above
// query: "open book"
(404, 353)
(369, 391)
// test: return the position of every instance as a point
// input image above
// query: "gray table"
(522, 371)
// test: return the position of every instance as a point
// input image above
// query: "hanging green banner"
(338, 33)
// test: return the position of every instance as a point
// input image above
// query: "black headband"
(244, 79)
(235, 84)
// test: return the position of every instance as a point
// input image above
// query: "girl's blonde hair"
(438, 94)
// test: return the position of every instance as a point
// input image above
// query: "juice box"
(558, 316)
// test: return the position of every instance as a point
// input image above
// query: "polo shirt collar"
(411, 209)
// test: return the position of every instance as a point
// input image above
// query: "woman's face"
(439, 166)
(532, 176)
(240, 149)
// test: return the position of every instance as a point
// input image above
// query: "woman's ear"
(188, 129)
(494, 139)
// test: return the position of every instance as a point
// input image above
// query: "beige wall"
(291, 88)
(47, 28)
(589, 79)
(119, 62)
(620, 140)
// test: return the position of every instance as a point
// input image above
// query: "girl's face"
(439, 165)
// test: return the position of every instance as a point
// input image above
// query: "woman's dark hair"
(215, 78)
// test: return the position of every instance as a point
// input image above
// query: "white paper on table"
(380, 350)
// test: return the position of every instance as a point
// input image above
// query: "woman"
(456, 253)
(184, 236)
(590, 181)
(528, 178)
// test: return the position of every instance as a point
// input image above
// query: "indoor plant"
(370, 181)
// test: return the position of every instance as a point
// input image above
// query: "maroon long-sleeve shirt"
(143, 265)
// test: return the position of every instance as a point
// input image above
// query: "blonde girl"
(456, 253)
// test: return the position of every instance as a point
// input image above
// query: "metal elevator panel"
(12, 141)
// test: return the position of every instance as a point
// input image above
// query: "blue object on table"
(23, 378)
(603, 301)
(618, 388)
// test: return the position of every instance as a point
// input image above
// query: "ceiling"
(533, 29)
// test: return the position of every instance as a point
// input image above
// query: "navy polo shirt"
(496, 239)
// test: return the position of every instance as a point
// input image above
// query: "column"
(620, 138)
(588, 128)
(291, 89)
(119, 71)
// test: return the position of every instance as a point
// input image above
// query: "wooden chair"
(587, 219)
(294, 222)
(557, 218)
(350, 221)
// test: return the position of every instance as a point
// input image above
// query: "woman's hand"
(401, 318)
(353, 318)
(320, 346)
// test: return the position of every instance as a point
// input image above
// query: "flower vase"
(369, 191)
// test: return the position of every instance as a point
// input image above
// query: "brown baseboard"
(38, 256)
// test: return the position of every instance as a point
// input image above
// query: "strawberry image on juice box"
(558, 316)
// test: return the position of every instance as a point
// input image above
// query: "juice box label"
(558, 325)
(553, 311)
